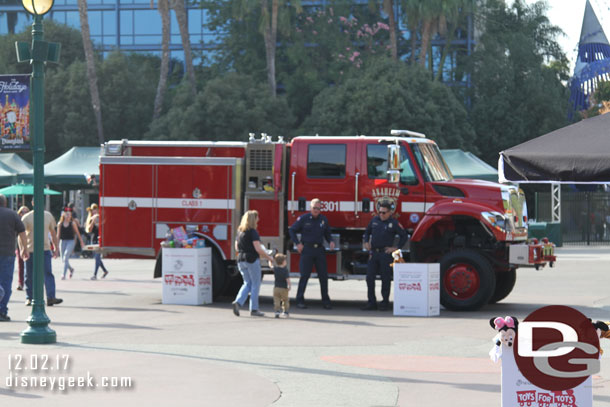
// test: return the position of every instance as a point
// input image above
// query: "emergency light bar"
(409, 133)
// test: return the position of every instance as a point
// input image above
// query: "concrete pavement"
(115, 330)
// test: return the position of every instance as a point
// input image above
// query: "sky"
(568, 14)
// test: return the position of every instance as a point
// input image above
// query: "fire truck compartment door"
(127, 206)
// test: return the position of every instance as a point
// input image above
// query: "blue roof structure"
(593, 62)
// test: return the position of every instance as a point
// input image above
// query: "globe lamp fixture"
(37, 7)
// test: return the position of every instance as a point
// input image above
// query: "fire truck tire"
(158, 272)
(505, 282)
(234, 286)
(467, 280)
(220, 278)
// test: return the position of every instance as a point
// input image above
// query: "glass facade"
(129, 25)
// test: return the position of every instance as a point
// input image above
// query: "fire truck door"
(408, 196)
(127, 206)
(324, 170)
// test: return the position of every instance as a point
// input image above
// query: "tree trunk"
(425, 41)
(181, 17)
(450, 35)
(91, 73)
(389, 9)
(413, 33)
(270, 35)
(163, 6)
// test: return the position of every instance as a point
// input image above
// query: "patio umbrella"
(25, 189)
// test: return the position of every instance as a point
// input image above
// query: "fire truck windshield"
(431, 162)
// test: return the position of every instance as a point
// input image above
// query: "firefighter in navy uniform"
(379, 240)
(314, 229)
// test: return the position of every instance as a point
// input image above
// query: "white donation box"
(417, 289)
(187, 276)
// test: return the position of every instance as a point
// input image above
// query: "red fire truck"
(476, 230)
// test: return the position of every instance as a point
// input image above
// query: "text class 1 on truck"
(476, 230)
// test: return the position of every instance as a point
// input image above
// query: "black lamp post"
(40, 52)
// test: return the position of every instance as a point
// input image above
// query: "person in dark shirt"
(248, 248)
(379, 240)
(11, 227)
(281, 302)
(314, 229)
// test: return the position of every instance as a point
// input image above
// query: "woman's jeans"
(99, 263)
(251, 273)
(67, 247)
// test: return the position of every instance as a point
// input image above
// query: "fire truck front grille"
(261, 160)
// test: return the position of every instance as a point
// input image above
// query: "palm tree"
(163, 6)
(181, 17)
(268, 27)
(462, 8)
(91, 73)
(434, 15)
(412, 11)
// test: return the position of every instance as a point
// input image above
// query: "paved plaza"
(129, 349)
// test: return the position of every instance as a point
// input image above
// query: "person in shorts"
(281, 303)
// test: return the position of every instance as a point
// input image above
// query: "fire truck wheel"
(467, 280)
(158, 271)
(505, 282)
(219, 275)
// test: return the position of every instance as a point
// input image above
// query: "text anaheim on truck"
(476, 230)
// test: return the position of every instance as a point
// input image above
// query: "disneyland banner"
(14, 112)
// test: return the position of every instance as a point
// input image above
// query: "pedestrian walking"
(50, 237)
(314, 228)
(20, 262)
(379, 239)
(281, 301)
(249, 249)
(10, 227)
(67, 232)
(92, 226)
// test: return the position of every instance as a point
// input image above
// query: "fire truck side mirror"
(393, 163)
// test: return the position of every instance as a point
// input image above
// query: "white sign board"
(518, 391)
(187, 276)
(417, 289)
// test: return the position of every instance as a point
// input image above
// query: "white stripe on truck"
(123, 202)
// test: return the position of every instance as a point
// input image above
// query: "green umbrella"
(25, 189)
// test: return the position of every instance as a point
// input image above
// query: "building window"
(326, 161)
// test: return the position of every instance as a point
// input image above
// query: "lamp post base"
(38, 332)
(38, 335)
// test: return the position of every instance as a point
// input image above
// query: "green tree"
(325, 46)
(274, 14)
(517, 91)
(389, 95)
(127, 93)
(229, 107)
(127, 89)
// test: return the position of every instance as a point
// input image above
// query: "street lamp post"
(40, 52)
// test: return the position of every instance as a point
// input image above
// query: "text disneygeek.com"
(49, 372)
